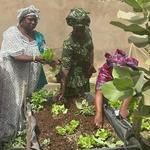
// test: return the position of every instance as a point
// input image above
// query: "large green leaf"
(146, 85)
(140, 83)
(119, 72)
(146, 95)
(123, 83)
(111, 92)
(137, 18)
(134, 4)
(134, 28)
(139, 40)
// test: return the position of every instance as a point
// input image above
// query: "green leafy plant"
(102, 138)
(103, 134)
(86, 141)
(38, 98)
(48, 54)
(84, 107)
(58, 109)
(18, 141)
(45, 142)
(132, 84)
(145, 124)
(60, 130)
(114, 103)
(68, 128)
(136, 22)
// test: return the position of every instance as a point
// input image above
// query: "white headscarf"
(31, 10)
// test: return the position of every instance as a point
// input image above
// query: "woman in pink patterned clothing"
(105, 75)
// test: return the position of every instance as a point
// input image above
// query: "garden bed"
(47, 128)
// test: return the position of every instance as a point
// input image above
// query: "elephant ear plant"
(126, 83)
(137, 22)
(135, 83)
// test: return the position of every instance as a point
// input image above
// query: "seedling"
(69, 128)
(58, 109)
(86, 141)
(18, 141)
(45, 142)
(103, 134)
(38, 98)
(84, 108)
(102, 138)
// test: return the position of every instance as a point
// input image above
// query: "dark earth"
(46, 124)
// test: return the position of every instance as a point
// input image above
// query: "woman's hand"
(40, 59)
(55, 62)
(98, 121)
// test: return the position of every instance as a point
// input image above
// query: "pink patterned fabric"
(119, 58)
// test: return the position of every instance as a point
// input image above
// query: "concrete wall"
(52, 23)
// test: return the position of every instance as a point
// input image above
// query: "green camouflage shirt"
(76, 58)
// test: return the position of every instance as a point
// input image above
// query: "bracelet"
(33, 58)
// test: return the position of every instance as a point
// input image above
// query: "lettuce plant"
(58, 109)
(38, 98)
(68, 128)
(48, 55)
(84, 107)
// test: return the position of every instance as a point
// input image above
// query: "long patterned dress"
(76, 58)
(18, 79)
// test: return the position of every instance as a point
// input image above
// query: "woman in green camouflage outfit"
(77, 56)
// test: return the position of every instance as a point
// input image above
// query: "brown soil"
(47, 124)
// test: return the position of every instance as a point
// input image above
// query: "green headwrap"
(78, 17)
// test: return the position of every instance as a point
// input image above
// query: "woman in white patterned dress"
(20, 68)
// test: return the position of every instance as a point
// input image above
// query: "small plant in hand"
(38, 98)
(68, 128)
(84, 108)
(48, 55)
(58, 109)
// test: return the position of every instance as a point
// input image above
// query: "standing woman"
(77, 56)
(21, 69)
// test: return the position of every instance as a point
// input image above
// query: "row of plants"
(84, 108)
(102, 137)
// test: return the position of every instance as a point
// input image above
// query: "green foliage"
(58, 109)
(114, 103)
(84, 108)
(68, 128)
(18, 142)
(103, 134)
(136, 22)
(129, 84)
(102, 138)
(111, 92)
(38, 98)
(45, 142)
(86, 141)
(48, 55)
(146, 124)
(61, 130)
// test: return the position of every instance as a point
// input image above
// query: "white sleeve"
(12, 44)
